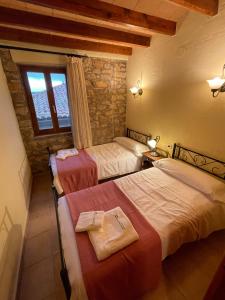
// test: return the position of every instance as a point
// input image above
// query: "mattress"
(179, 214)
(111, 159)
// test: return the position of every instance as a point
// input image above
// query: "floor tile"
(54, 240)
(194, 263)
(59, 286)
(38, 281)
(39, 207)
(37, 249)
(39, 224)
(60, 295)
(166, 290)
(50, 297)
(57, 269)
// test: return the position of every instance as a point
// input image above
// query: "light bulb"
(152, 143)
(216, 83)
(134, 90)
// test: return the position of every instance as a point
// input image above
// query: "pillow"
(210, 186)
(132, 145)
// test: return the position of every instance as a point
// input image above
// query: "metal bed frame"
(138, 136)
(200, 161)
(63, 273)
(208, 164)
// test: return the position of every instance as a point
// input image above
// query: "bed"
(112, 159)
(180, 211)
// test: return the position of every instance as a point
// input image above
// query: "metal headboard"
(208, 164)
(138, 136)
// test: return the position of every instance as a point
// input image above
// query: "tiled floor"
(186, 274)
(40, 278)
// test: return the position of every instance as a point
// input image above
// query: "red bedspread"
(77, 172)
(129, 273)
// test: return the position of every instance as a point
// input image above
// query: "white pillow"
(212, 187)
(136, 147)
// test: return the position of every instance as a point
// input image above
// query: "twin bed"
(182, 204)
(123, 156)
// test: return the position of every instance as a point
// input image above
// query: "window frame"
(51, 99)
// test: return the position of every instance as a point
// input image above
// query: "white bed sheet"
(111, 159)
(177, 212)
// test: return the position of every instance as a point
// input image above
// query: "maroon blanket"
(129, 273)
(77, 172)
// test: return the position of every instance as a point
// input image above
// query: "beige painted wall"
(177, 103)
(15, 182)
(24, 57)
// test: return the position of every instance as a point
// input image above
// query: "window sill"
(44, 136)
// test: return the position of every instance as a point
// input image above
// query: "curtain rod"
(41, 51)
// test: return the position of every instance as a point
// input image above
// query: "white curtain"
(81, 126)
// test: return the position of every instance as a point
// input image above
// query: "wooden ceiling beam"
(207, 7)
(12, 34)
(42, 22)
(113, 14)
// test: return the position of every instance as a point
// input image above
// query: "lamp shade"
(152, 143)
(216, 83)
(134, 90)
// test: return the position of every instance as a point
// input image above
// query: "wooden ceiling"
(113, 26)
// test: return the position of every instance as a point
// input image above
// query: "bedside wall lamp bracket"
(217, 84)
(136, 89)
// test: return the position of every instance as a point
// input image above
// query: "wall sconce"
(217, 84)
(152, 143)
(136, 89)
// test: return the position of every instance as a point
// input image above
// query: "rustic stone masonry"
(35, 146)
(106, 89)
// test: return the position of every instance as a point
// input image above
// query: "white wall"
(177, 102)
(15, 183)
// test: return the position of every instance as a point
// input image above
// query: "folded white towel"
(63, 154)
(117, 233)
(90, 220)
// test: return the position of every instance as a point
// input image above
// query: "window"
(46, 89)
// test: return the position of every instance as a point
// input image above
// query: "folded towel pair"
(117, 232)
(63, 154)
(90, 220)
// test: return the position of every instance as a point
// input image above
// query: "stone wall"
(106, 89)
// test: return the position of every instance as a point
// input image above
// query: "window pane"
(40, 99)
(61, 99)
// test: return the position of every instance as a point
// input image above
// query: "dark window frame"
(51, 99)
